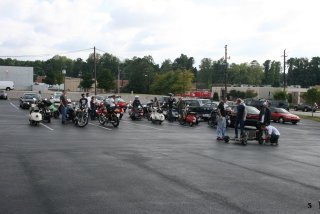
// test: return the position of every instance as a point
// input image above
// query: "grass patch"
(317, 119)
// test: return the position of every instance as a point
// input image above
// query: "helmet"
(136, 97)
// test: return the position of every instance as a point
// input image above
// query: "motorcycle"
(136, 113)
(156, 115)
(81, 118)
(35, 117)
(105, 116)
(119, 111)
(54, 111)
(212, 121)
(189, 118)
(44, 110)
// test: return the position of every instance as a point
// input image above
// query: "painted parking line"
(14, 106)
(46, 126)
(100, 126)
(143, 125)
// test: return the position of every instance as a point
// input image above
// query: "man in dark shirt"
(241, 117)
(221, 122)
(265, 115)
(64, 106)
(170, 106)
(83, 102)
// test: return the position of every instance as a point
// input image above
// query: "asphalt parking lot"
(141, 167)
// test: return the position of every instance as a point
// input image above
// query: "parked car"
(279, 104)
(99, 99)
(3, 95)
(252, 116)
(282, 115)
(202, 107)
(27, 99)
(55, 98)
(304, 107)
(255, 103)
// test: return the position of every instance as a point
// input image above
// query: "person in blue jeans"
(241, 117)
(63, 106)
(221, 120)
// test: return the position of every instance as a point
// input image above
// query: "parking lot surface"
(141, 167)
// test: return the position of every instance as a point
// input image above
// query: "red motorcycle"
(136, 113)
(188, 118)
(105, 116)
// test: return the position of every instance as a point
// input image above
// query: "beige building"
(265, 92)
(72, 84)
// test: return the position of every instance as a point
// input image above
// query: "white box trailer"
(6, 85)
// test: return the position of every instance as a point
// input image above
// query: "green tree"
(312, 96)
(87, 81)
(215, 96)
(250, 94)
(280, 95)
(177, 82)
(105, 80)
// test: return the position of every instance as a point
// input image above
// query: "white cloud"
(252, 29)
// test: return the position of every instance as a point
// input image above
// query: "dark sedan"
(27, 99)
(252, 116)
(305, 107)
(3, 94)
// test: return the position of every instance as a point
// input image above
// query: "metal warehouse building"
(21, 76)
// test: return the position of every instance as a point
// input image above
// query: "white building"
(21, 76)
(264, 92)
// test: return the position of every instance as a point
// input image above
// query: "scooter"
(156, 115)
(35, 117)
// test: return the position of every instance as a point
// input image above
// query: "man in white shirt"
(273, 134)
(89, 100)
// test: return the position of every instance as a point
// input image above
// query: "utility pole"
(284, 70)
(95, 70)
(118, 83)
(225, 73)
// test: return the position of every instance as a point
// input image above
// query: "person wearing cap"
(240, 118)
(265, 115)
(272, 134)
(221, 121)
(136, 103)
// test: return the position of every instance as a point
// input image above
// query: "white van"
(6, 85)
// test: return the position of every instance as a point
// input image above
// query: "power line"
(42, 55)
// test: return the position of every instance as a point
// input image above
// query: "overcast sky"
(252, 29)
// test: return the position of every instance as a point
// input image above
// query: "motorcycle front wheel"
(83, 119)
(101, 119)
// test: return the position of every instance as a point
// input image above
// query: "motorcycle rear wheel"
(115, 121)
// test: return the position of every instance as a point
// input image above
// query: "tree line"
(177, 76)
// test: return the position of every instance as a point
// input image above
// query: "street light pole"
(225, 73)
(118, 83)
(95, 70)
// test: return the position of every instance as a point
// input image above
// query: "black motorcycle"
(212, 120)
(81, 118)
(44, 110)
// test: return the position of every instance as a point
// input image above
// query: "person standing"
(221, 122)
(83, 102)
(265, 115)
(63, 106)
(170, 106)
(181, 104)
(93, 108)
(240, 118)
